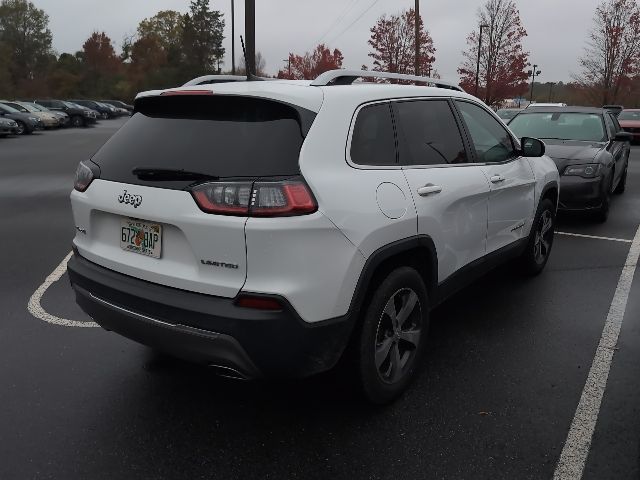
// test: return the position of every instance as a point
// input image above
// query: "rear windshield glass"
(561, 126)
(219, 136)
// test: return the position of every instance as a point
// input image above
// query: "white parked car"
(269, 229)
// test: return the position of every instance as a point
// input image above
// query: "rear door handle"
(429, 189)
(497, 179)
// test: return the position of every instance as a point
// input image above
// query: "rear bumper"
(577, 193)
(207, 329)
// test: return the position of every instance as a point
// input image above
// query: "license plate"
(141, 237)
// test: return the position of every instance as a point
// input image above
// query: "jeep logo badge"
(128, 198)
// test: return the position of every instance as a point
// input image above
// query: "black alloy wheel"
(543, 238)
(391, 336)
(21, 128)
(77, 121)
(540, 241)
(398, 335)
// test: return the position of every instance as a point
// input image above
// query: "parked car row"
(21, 117)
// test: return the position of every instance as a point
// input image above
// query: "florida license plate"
(141, 237)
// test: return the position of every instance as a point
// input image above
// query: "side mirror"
(623, 136)
(532, 147)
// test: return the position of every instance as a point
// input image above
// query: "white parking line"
(595, 237)
(36, 309)
(576, 448)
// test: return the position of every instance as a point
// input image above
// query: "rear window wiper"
(169, 174)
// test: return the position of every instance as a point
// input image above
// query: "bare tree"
(502, 59)
(612, 54)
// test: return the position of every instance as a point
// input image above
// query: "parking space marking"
(576, 448)
(594, 237)
(35, 308)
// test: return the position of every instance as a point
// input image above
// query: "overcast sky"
(557, 28)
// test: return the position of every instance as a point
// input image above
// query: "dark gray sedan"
(27, 123)
(589, 148)
(8, 127)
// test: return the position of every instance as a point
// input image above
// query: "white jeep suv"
(272, 228)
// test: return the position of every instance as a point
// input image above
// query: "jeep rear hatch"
(145, 191)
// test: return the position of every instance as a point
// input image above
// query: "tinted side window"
(428, 133)
(373, 141)
(492, 142)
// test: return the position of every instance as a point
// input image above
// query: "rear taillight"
(256, 199)
(226, 198)
(85, 174)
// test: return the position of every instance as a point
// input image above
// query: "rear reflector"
(255, 199)
(258, 303)
(170, 93)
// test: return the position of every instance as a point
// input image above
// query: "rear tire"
(77, 121)
(540, 242)
(391, 336)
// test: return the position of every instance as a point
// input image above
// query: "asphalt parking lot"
(507, 364)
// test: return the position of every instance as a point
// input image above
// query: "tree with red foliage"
(503, 62)
(312, 64)
(99, 55)
(612, 55)
(393, 40)
(100, 63)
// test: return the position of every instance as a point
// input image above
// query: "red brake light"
(271, 199)
(258, 303)
(259, 199)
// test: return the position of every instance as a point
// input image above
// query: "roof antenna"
(250, 75)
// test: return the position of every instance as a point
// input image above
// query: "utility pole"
(288, 62)
(533, 73)
(250, 35)
(233, 39)
(483, 26)
(417, 37)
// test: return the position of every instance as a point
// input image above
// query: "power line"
(345, 12)
(355, 21)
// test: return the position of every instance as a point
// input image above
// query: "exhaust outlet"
(228, 372)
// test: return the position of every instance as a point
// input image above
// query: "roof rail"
(208, 79)
(347, 77)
